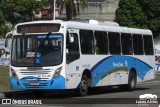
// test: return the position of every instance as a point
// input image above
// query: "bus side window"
(87, 42)
(138, 44)
(73, 48)
(148, 44)
(126, 40)
(114, 43)
(101, 42)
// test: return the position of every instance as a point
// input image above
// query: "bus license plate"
(34, 84)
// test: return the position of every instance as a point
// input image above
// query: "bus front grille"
(34, 72)
(41, 74)
(35, 79)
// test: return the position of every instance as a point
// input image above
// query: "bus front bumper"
(37, 84)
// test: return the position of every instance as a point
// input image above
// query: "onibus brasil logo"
(146, 99)
(17, 101)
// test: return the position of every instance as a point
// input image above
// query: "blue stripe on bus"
(23, 84)
(112, 62)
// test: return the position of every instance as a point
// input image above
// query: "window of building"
(114, 43)
(148, 45)
(101, 42)
(87, 41)
(138, 44)
(126, 41)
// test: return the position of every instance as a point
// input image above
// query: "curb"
(149, 82)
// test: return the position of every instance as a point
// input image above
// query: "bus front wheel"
(84, 86)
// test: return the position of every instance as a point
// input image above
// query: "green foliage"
(23, 7)
(139, 14)
(2, 20)
(152, 11)
(3, 27)
(15, 11)
(130, 14)
(59, 2)
(3, 30)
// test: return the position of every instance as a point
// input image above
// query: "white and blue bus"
(48, 55)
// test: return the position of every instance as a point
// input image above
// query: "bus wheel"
(132, 81)
(84, 86)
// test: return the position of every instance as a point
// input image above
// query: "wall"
(4, 54)
(104, 10)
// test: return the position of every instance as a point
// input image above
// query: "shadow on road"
(56, 94)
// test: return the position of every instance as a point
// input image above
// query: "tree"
(71, 10)
(139, 14)
(16, 11)
(3, 27)
(130, 14)
(2, 20)
(152, 10)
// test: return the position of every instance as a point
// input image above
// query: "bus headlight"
(57, 72)
(14, 74)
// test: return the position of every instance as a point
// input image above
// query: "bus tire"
(83, 91)
(132, 80)
(131, 83)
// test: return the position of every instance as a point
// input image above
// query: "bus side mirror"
(7, 37)
(71, 38)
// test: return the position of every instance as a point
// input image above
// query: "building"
(96, 9)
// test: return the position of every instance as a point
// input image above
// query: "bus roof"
(93, 25)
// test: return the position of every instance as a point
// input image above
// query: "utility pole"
(54, 10)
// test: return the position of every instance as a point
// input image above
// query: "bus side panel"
(114, 70)
(119, 64)
(110, 70)
(73, 74)
(145, 72)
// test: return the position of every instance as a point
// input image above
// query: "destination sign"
(38, 28)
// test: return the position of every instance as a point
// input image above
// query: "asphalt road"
(103, 97)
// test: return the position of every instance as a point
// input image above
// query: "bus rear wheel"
(132, 80)
(83, 91)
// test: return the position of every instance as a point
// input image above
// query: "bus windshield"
(37, 50)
